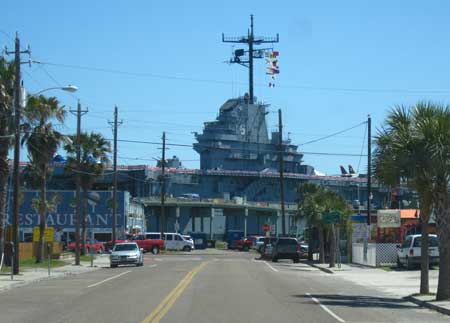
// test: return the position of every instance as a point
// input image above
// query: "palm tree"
(42, 141)
(400, 157)
(309, 207)
(434, 126)
(414, 148)
(331, 201)
(6, 129)
(94, 149)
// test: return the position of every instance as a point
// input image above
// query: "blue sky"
(339, 61)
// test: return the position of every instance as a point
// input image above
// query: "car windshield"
(287, 242)
(125, 247)
(432, 242)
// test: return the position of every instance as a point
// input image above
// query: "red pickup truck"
(149, 245)
(244, 244)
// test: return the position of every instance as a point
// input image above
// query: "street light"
(16, 174)
(68, 88)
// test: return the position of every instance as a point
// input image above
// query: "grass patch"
(221, 245)
(428, 294)
(386, 268)
(86, 258)
(31, 263)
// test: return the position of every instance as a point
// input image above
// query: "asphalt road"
(230, 287)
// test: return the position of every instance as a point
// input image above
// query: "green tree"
(314, 201)
(434, 126)
(6, 130)
(329, 202)
(400, 157)
(94, 156)
(414, 147)
(42, 141)
(308, 208)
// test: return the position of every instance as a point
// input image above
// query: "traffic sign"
(332, 218)
(48, 234)
(266, 227)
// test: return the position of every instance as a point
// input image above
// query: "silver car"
(127, 253)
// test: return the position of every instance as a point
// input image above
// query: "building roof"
(409, 214)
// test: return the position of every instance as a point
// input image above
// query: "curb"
(427, 304)
(326, 270)
(56, 275)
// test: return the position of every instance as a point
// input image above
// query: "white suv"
(408, 254)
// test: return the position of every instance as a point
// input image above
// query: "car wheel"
(296, 260)
(245, 248)
(113, 265)
(155, 250)
(274, 259)
(186, 248)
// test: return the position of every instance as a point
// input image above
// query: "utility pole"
(281, 154)
(78, 112)
(250, 40)
(16, 170)
(163, 184)
(114, 206)
(369, 168)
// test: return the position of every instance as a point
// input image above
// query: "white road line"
(274, 269)
(152, 266)
(110, 278)
(326, 309)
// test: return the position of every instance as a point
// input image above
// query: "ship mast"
(245, 57)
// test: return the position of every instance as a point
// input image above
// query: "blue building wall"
(62, 214)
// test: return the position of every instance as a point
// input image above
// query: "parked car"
(232, 237)
(286, 248)
(259, 244)
(409, 252)
(303, 250)
(173, 241)
(127, 253)
(176, 241)
(95, 246)
(244, 244)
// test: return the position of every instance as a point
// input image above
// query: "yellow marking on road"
(167, 303)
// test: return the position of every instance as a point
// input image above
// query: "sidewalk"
(33, 275)
(396, 282)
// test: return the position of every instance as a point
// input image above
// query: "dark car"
(286, 248)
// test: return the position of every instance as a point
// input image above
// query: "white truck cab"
(409, 252)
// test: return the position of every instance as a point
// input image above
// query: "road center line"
(110, 278)
(166, 304)
(326, 309)
(270, 266)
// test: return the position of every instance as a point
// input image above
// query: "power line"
(362, 148)
(333, 134)
(301, 86)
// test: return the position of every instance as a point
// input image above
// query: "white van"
(173, 241)
(408, 254)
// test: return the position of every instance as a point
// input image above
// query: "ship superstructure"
(238, 140)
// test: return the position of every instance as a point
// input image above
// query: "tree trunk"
(310, 244)
(83, 222)
(4, 176)
(321, 246)
(424, 260)
(42, 215)
(3, 202)
(443, 229)
(333, 247)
